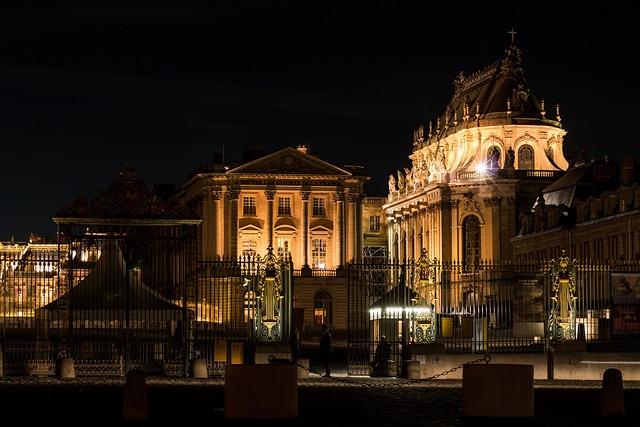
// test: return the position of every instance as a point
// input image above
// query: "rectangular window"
(284, 206)
(374, 223)
(249, 247)
(318, 206)
(248, 205)
(319, 254)
(284, 246)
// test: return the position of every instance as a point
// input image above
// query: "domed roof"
(497, 94)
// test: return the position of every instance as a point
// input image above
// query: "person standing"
(325, 349)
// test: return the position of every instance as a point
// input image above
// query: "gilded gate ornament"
(562, 318)
(424, 322)
(269, 313)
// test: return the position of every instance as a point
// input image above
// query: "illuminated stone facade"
(290, 200)
(593, 213)
(301, 206)
(472, 172)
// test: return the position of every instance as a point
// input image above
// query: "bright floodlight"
(481, 168)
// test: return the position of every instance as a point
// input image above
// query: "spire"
(542, 112)
(513, 58)
(512, 33)
(558, 118)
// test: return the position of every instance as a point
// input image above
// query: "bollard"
(199, 368)
(136, 405)
(580, 335)
(612, 396)
(65, 368)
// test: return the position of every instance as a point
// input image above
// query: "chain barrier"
(346, 380)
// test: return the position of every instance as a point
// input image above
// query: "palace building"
(473, 171)
(592, 212)
(302, 207)
(296, 203)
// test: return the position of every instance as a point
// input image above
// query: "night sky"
(87, 88)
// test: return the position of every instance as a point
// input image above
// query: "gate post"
(562, 318)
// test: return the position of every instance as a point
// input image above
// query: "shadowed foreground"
(321, 403)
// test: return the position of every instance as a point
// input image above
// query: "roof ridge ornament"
(512, 33)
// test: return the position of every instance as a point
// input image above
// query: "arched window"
(525, 158)
(493, 158)
(471, 240)
(322, 308)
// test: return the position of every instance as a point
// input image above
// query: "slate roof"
(486, 92)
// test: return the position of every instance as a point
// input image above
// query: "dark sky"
(88, 88)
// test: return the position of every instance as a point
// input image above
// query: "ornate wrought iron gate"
(240, 302)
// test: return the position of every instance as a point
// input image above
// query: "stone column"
(338, 198)
(206, 237)
(233, 223)
(271, 194)
(390, 228)
(306, 270)
(216, 233)
(359, 234)
(352, 233)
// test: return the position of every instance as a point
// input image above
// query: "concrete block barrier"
(497, 390)
(612, 395)
(261, 392)
(65, 368)
(136, 403)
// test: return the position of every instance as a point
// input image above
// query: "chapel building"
(482, 163)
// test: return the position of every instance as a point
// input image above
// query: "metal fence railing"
(487, 307)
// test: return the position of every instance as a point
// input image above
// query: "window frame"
(284, 209)
(253, 210)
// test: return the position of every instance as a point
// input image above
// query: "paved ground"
(322, 402)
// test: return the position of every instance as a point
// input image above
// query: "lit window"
(284, 206)
(250, 306)
(322, 308)
(471, 236)
(248, 205)
(374, 223)
(319, 254)
(318, 206)
(249, 247)
(284, 246)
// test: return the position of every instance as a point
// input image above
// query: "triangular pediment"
(289, 161)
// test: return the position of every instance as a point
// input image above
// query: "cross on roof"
(513, 36)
